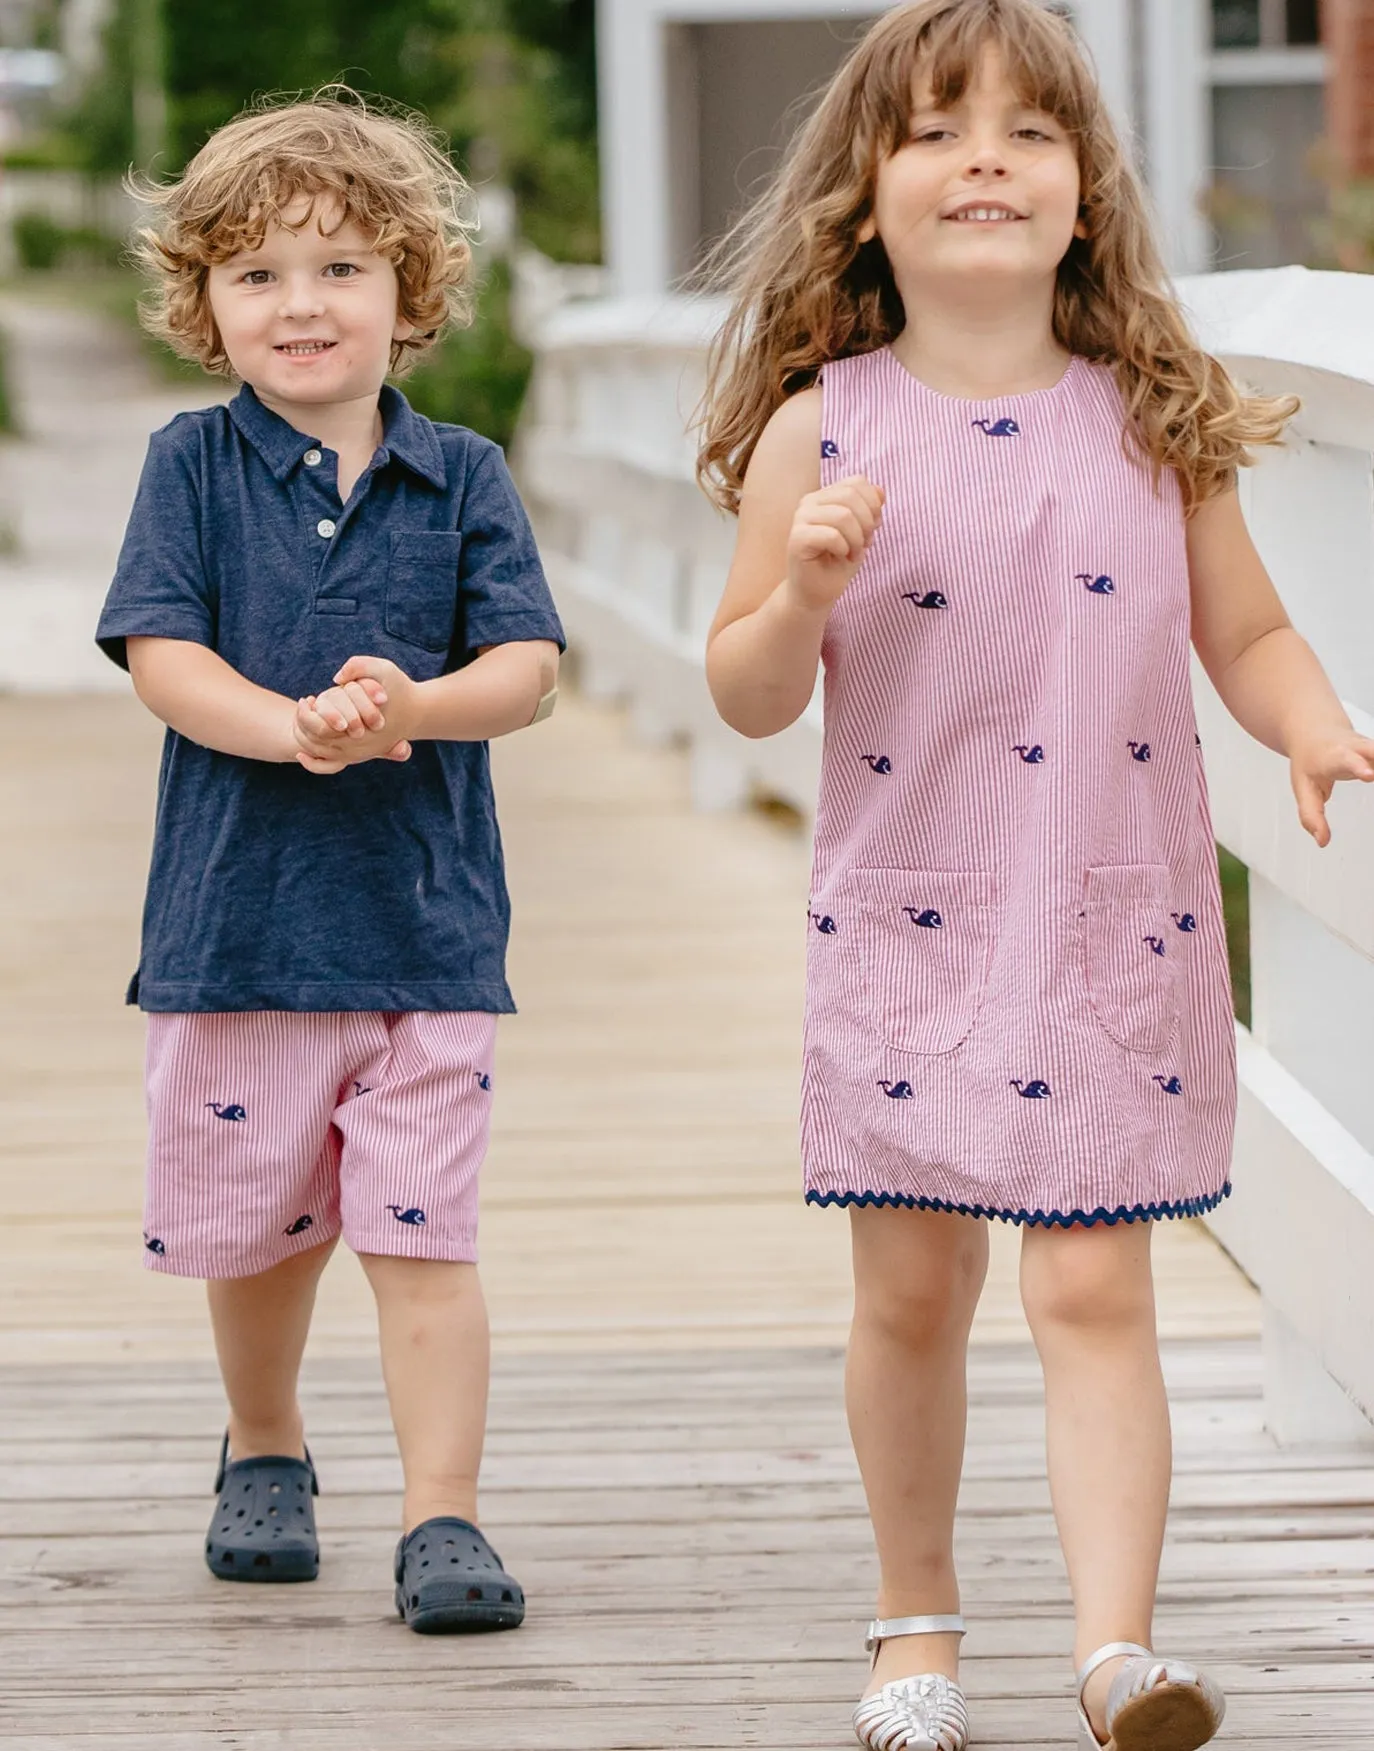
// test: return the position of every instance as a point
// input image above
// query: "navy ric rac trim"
(1031, 1218)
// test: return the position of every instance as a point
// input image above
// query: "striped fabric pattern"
(270, 1132)
(1018, 998)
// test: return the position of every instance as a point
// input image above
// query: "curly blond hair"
(378, 165)
(804, 290)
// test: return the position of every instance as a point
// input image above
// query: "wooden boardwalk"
(668, 1468)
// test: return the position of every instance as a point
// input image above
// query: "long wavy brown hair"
(804, 290)
(353, 158)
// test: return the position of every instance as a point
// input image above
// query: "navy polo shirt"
(381, 887)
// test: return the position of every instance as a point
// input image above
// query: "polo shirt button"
(313, 458)
(325, 527)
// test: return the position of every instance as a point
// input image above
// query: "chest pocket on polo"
(422, 587)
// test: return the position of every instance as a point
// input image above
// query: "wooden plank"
(708, 1597)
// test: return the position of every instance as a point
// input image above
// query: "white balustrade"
(638, 558)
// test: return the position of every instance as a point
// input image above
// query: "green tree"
(511, 81)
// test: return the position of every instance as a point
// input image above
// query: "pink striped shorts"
(270, 1132)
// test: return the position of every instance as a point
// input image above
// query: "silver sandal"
(1153, 1704)
(923, 1713)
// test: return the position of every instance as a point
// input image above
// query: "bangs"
(348, 163)
(1038, 49)
(253, 200)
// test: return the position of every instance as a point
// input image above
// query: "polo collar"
(406, 435)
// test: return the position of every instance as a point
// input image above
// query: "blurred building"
(1225, 101)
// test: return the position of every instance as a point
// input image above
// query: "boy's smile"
(310, 316)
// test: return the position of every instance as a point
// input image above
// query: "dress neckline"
(1070, 372)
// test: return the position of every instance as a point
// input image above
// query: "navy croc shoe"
(264, 1522)
(449, 1580)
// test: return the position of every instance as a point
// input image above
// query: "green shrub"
(7, 419)
(1346, 233)
(43, 244)
(86, 247)
(1235, 899)
(44, 152)
(477, 376)
(39, 241)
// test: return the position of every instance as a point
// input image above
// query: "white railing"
(638, 558)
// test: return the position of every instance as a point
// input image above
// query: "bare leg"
(260, 1325)
(917, 1278)
(436, 1359)
(1089, 1296)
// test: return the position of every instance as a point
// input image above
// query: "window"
(1265, 195)
(1302, 20)
(1235, 24)
(1265, 24)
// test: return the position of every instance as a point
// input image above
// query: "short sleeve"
(160, 589)
(504, 594)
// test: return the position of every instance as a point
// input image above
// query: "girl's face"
(310, 315)
(983, 198)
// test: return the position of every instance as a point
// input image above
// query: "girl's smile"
(990, 185)
(978, 212)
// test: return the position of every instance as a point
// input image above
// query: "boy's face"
(309, 317)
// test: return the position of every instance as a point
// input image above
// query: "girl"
(984, 474)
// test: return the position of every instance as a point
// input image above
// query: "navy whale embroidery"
(825, 923)
(1170, 1084)
(412, 1218)
(1100, 586)
(1156, 943)
(1139, 751)
(153, 1244)
(1033, 756)
(233, 1113)
(1031, 1090)
(362, 1088)
(878, 763)
(896, 1090)
(925, 599)
(1003, 428)
(483, 1080)
(926, 916)
(829, 449)
(1184, 920)
(300, 1225)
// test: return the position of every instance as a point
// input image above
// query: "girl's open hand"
(830, 535)
(1315, 767)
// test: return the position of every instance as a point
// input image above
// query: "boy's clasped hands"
(347, 724)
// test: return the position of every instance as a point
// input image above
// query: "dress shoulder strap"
(850, 389)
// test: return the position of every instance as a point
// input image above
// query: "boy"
(333, 604)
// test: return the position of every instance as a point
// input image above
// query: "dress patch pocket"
(1133, 954)
(924, 944)
(422, 587)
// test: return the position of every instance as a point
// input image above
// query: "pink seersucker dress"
(1018, 1000)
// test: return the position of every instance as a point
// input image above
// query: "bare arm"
(797, 548)
(499, 691)
(203, 698)
(1268, 676)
